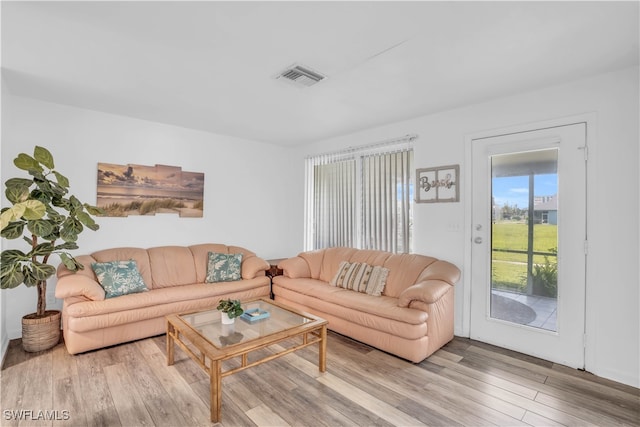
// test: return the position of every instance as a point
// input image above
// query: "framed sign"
(440, 184)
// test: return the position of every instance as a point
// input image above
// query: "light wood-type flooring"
(465, 383)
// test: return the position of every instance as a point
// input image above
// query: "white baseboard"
(618, 376)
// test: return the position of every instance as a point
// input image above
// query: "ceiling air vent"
(301, 76)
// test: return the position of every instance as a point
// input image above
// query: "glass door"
(528, 256)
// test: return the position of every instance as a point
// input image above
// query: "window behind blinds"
(361, 197)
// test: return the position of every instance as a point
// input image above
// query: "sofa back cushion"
(314, 260)
(404, 271)
(140, 256)
(172, 266)
(331, 262)
(371, 257)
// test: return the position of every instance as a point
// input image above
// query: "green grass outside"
(509, 276)
(509, 270)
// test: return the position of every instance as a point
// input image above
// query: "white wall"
(242, 181)
(613, 324)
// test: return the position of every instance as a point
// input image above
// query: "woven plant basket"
(40, 333)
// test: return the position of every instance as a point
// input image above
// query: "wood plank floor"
(465, 383)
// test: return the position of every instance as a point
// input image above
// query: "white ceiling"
(211, 65)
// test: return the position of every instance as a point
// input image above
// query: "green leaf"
(27, 163)
(5, 218)
(34, 209)
(39, 195)
(88, 221)
(17, 194)
(50, 188)
(62, 180)
(13, 213)
(42, 271)
(30, 209)
(71, 262)
(11, 277)
(13, 230)
(57, 189)
(18, 182)
(94, 210)
(38, 175)
(75, 203)
(66, 246)
(43, 155)
(54, 216)
(42, 249)
(60, 202)
(68, 233)
(13, 256)
(36, 272)
(29, 278)
(40, 227)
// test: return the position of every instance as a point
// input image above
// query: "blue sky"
(515, 190)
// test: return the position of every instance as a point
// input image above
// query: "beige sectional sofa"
(412, 318)
(175, 277)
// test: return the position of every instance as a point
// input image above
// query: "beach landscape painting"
(125, 190)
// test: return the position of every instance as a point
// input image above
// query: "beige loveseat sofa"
(412, 318)
(175, 277)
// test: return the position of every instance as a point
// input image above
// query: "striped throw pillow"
(361, 277)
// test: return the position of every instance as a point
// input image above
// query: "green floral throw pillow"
(223, 267)
(119, 278)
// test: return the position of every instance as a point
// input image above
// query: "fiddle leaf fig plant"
(46, 218)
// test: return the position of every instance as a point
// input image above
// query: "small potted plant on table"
(230, 309)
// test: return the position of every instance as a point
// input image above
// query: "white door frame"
(591, 121)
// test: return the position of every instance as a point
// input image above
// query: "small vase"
(224, 317)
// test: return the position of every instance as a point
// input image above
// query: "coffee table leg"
(170, 344)
(322, 362)
(215, 376)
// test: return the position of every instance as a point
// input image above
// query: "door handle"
(477, 240)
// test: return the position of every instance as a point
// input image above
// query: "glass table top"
(245, 328)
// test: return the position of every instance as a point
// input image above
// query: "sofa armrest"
(295, 268)
(428, 291)
(253, 266)
(75, 285)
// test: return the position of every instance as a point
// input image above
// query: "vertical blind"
(361, 197)
(334, 204)
(386, 201)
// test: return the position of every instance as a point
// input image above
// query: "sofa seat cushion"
(377, 312)
(162, 296)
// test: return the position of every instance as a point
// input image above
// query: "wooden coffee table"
(208, 342)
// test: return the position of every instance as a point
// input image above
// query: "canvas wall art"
(125, 190)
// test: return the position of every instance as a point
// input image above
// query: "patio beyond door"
(528, 250)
